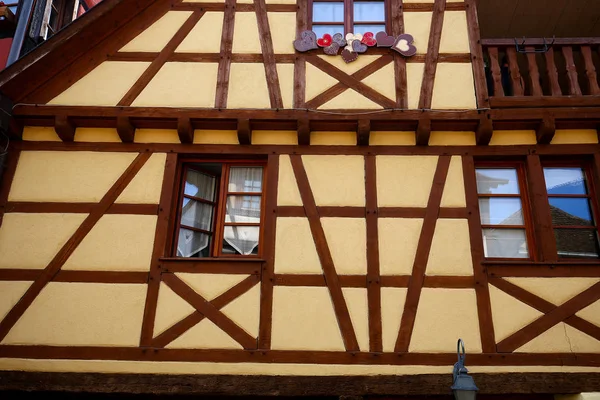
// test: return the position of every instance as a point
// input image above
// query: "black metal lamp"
(463, 385)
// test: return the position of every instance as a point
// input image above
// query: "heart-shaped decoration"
(324, 41)
(358, 47)
(404, 45)
(339, 39)
(332, 49)
(307, 41)
(368, 39)
(349, 56)
(350, 38)
(384, 40)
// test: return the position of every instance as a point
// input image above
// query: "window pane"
(320, 30)
(501, 211)
(505, 243)
(579, 243)
(197, 215)
(372, 11)
(565, 181)
(570, 211)
(241, 240)
(369, 28)
(243, 209)
(192, 244)
(201, 185)
(497, 181)
(245, 179)
(328, 12)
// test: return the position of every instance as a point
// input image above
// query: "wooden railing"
(565, 74)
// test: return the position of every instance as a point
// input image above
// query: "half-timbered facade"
(205, 191)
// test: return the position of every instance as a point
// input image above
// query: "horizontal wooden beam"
(544, 101)
(542, 41)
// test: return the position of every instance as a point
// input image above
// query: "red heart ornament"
(324, 41)
(368, 39)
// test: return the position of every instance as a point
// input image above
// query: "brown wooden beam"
(546, 130)
(64, 127)
(303, 132)
(244, 131)
(185, 130)
(485, 129)
(433, 51)
(125, 129)
(363, 132)
(423, 132)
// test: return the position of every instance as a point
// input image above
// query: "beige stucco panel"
(105, 85)
(333, 138)
(283, 31)
(82, 314)
(347, 240)
(383, 81)
(205, 37)
(245, 310)
(204, 335)
(591, 313)
(450, 252)
(404, 181)
(392, 138)
(392, 307)
(69, 176)
(317, 81)
(285, 73)
(349, 68)
(98, 135)
(275, 137)
(210, 286)
(10, 293)
(156, 37)
(116, 243)
(454, 87)
(32, 240)
(295, 251)
(454, 189)
(511, 138)
(248, 86)
(156, 136)
(451, 311)
(336, 180)
(245, 34)
(350, 99)
(304, 319)
(418, 24)
(181, 84)
(203, 136)
(509, 314)
(575, 136)
(40, 134)
(146, 186)
(554, 290)
(170, 309)
(455, 33)
(561, 338)
(452, 138)
(414, 80)
(287, 188)
(398, 239)
(358, 307)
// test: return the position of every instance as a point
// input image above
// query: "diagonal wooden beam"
(331, 277)
(351, 82)
(69, 247)
(210, 311)
(548, 320)
(433, 51)
(266, 44)
(195, 317)
(422, 256)
(225, 61)
(162, 58)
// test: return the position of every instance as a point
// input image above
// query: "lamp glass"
(465, 394)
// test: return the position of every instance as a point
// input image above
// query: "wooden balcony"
(542, 73)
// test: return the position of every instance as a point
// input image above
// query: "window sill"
(529, 263)
(540, 269)
(251, 266)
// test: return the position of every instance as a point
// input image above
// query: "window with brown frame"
(220, 209)
(348, 16)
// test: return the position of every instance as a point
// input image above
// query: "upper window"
(220, 210)
(348, 16)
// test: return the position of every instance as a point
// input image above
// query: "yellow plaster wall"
(349, 68)
(70, 176)
(116, 243)
(454, 189)
(333, 138)
(156, 136)
(285, 73)
(451, 311)
(509, 314)
(275, 137)
(205, 335)
(398, 188)
(211, 286)
(455, 33)
(287, 188)
(283, 29)
(82, 314)
(32, 240)
(10, 293)
(245, 310)
(418, 24)
(342, 185)
(245, 33)
(105, 85)
(202, 136)
(510, 138)
(99, 135)
(146, 186)
(398, 238)
(156, 37)
(358, 308)
(383, 81)
(317, 81)
(304, 319)
(40, 134)
(350, 99)
(575, 136)
(450, 252)
(248, 86)
(181, 84)
(591, 313)
(347, 240)
(295, 251)
(392, 138)
(454, 87)
(392, 307)
(561, 338)
(452, 138)
(555, 290)
(170, 309)
(414, 76)
(205, 37)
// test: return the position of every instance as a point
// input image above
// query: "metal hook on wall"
(522, 47)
